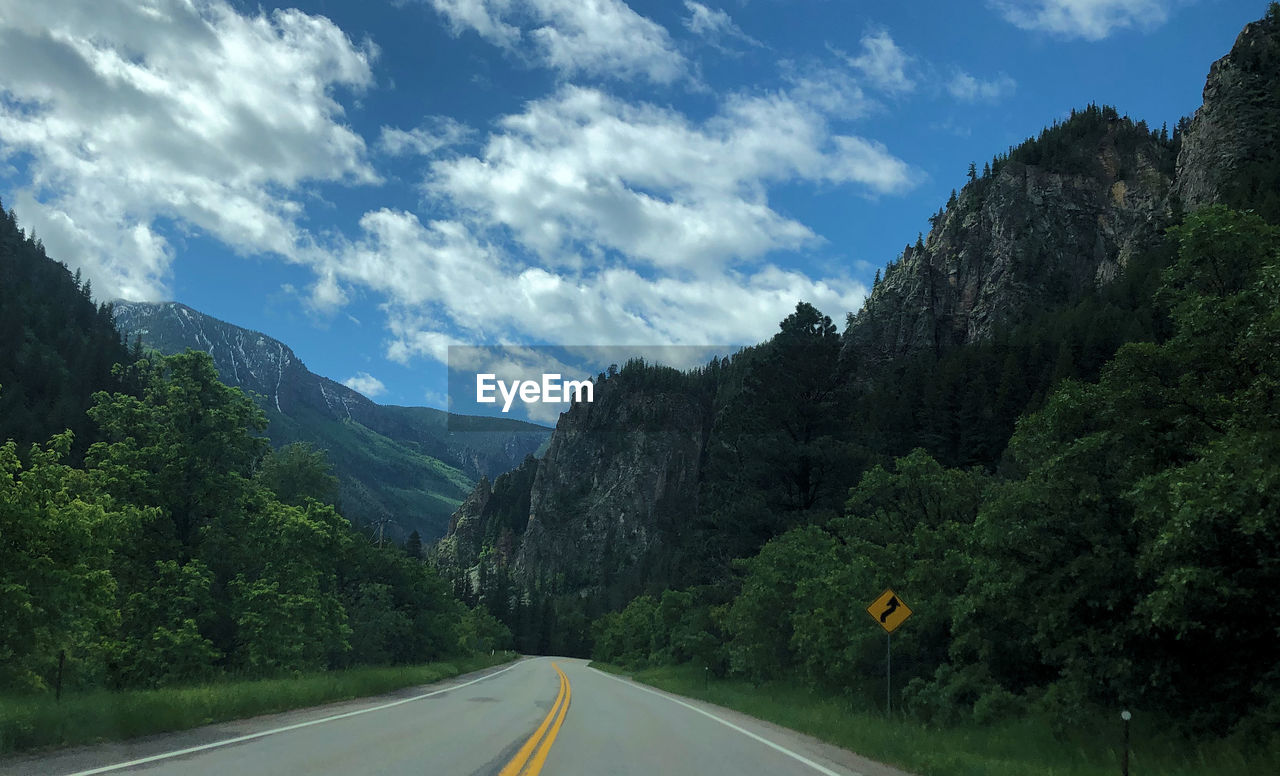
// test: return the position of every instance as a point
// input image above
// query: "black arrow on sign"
(893, 607)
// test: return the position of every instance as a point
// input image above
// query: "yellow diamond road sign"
(889, 611)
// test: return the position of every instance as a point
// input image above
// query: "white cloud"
(967, 88)
(883, 63)
(585, 219)
(436, 276)
(714, 24)
(575, 37)
(363, 382)
(132, 114)
(833, 91)
(436, 133)
(1087, 19)
(581, 173)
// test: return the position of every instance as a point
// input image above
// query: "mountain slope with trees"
(400, 469)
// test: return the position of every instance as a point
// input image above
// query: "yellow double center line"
(531, 757)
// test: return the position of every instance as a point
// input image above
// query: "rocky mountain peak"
(1045, 223)
(1229, 151)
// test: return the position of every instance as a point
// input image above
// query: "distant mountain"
(400, 466)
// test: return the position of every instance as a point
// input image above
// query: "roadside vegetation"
(151, 539)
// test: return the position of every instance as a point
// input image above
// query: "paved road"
(549, 716)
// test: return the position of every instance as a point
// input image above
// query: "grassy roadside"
(38, 722)
(1011, 748)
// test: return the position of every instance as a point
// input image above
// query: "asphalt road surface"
(551, 716)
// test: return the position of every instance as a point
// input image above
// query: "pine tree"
(413, 546)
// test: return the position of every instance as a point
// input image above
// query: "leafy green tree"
(188, 444)
(161, 640)
(626, 637)
(904, 528)
(480, 632)
(760, 622)
(57, 592)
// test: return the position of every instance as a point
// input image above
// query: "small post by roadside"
(706, 677)
(888, 674)
(1124, 763)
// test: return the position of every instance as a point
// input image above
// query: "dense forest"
(59, 346)
(152, 537)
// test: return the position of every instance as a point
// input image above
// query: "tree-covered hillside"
(58, 346)
(400, 469)
(1129, 536)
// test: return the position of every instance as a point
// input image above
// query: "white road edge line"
(793, 755)
(285, 729)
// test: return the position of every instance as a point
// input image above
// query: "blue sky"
(371, 182)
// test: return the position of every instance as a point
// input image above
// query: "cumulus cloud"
(1087, 19)
(580, 218)
(597, 38)
(968, 88)
(883, 63)
(582, 172)
(131, 114)
(588, 219)
(439, 273)
(363, 382)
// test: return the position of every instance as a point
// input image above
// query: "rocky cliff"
(1048, 222)
(604, 507)
(1231, 149)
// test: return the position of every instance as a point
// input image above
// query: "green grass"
(38, 722)
(1009, 748)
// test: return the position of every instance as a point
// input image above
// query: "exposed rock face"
(1027, 235)
(1238, 127)
(603, 508)
(460, 549)
(606, 502)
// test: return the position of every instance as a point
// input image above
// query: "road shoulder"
(75, 759)
(800, 743)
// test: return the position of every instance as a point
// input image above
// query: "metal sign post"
(1126, 716)
(890, 612)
